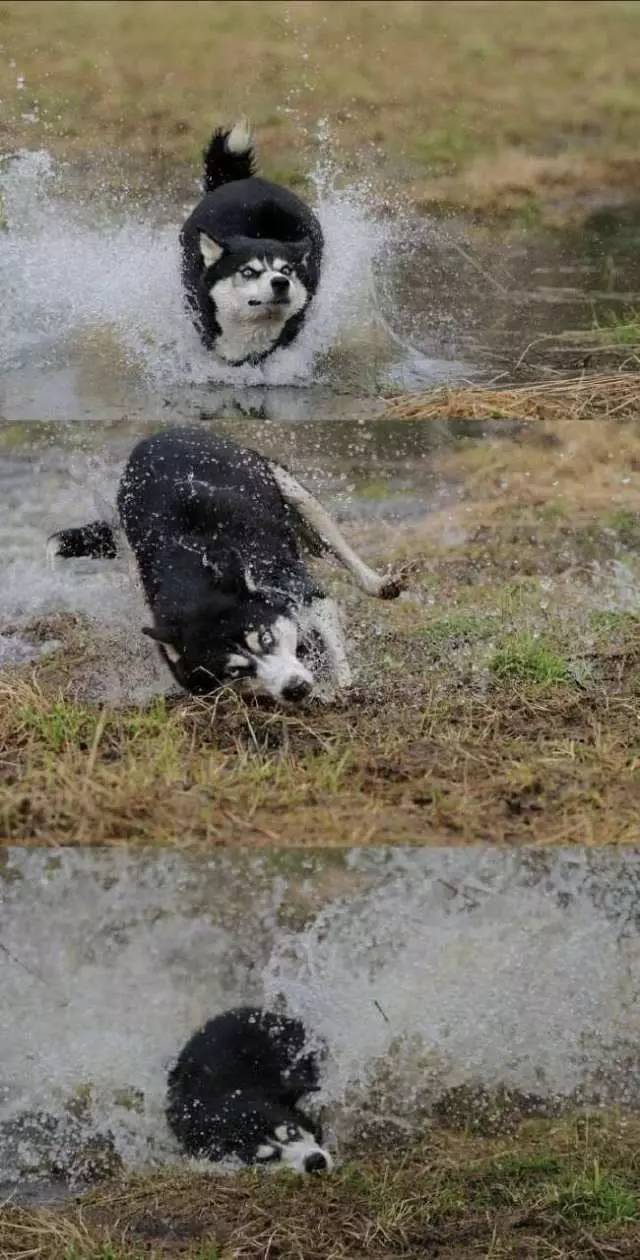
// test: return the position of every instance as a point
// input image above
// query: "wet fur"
(235, 1088)
(240, 219)
(217, 532)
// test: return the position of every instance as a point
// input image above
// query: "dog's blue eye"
(249, 273)
(286, 270)
(266, 639)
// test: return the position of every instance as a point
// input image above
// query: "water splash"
(435, 968)
(78, 279)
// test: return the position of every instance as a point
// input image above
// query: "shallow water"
(425, 971)
(92, 325)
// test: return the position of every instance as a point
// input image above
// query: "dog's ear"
(301, 250)
(210, 249)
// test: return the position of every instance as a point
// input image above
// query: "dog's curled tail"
(229, 155)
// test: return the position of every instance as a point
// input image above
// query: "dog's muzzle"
(280, 286)
(316, 1163)
(296, 690)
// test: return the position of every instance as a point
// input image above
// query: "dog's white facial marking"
(266, 1151)
(277, 667)
(236, 661)
(295, 1153)
(240, 138)
(251, 310)
(210, 250)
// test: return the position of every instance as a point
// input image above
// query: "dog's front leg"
(324, 619)
(378, 585)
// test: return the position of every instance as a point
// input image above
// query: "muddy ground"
(550, 1190)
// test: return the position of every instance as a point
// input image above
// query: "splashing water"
(439, 968)
(76, 278)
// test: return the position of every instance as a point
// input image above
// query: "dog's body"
(217, 533)
(234, 1090)
(251, 254)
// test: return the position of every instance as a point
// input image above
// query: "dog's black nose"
(315, 1163)
(296, 690)
(280, 285)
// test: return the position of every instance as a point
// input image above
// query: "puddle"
(426, 972)
(92, 326)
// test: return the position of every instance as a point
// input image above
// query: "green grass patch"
(618, 329)
(626, 525)
(63, 724)
(457, 628)
(596, 1198)
(525, 658)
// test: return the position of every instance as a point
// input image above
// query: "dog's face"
(255, 286)
(291, 1146)
(248, 641)
(272, 1137)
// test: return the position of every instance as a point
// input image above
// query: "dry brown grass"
(555, 1189)
(486, 102)
(496, 703)
(605, 395)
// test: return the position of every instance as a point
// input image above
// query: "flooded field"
(92, 326)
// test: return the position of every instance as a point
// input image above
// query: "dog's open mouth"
(276, 301)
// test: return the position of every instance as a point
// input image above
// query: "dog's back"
(192, 482)
(247, 1048)
(246, 1055)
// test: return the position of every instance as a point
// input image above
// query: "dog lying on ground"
(251, 254)
(234, 1092)
(217, 532)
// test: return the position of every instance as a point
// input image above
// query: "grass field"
(510, 106)
(552, 1190)
(497, 702)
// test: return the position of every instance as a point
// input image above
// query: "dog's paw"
(393, 584)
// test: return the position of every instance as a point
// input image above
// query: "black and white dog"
(217, 532)
(235, 1088)
(251, 254)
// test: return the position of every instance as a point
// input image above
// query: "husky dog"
(217, 533)
(251, 254)
(235, 1088)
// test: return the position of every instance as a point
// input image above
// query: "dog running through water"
(218, 533)
(251, 255)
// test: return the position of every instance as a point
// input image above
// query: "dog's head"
(256, 286)
(272, 1136)
(238, 635)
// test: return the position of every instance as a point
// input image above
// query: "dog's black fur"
(248, 218)
(217, 550)
(235, 1088)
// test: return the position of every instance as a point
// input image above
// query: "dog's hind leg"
(318, 520)
(95, 541)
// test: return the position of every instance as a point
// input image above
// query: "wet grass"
(486, 105)
(552, 1190)
(496, 702)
